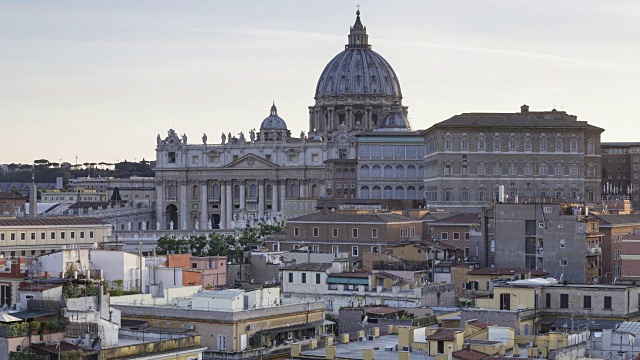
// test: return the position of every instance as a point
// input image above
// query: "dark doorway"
(172, 216)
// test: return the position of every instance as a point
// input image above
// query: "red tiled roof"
(445, 334)
(539, 273)
(462, 219)
(382, 310)
(470, 355)
(478, 324)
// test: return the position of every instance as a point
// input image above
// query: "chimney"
(313, 344)
(330, 352)
(344, 338)
(375, 332)
(330, 341)
(15, 269)
(403, 355)
(404, 334)
(449, 352)
(367, 354)
(524, 108)
(296, 349)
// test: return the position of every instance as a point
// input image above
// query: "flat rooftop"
(354, 350)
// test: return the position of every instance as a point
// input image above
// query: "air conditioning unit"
(371, 338)
(406, 348)
(362, 338)
(541, 225)
(388, 348)
(560, 226)
(191, 326)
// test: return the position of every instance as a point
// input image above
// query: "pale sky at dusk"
(100, 79)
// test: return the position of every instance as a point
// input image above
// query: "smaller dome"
(396, 120)
(273, 121)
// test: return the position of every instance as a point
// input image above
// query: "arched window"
(215, 191)
(339, 173)
(268, 192)
(400, 171)
(388, 171)
(252, 191)
(236, 192)
(421, 172)
(294, 190)
(364, 192)
(314, 190)
(420, 194)
(375, 193)
(411, 193)
(376, 171)
(171, 194)
(399, 192)
(388, 192)
(364, 171)
(194, 192)
(411, 171)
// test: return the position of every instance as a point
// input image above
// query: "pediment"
(251, 161)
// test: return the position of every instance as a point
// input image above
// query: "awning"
(347, 280)
(311, 325)
(31, 314)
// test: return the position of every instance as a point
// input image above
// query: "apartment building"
(615, 228)
(35, 236)
(621, 171)
(545, 155)
(561, 239)
(336, 232)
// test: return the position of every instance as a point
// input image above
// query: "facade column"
(274, 196)
(243, 199)
(260, 198)
(223, 204)
(204, 204)
(283, 194)
(182, 218)
(159, 204)
(229, 205)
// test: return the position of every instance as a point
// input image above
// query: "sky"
(98, 80)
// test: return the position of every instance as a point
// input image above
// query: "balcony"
(594, 251)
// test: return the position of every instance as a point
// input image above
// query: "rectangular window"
(354, 251)
(195, 159)
(222, 342)
(296, 231)
(335, 232)
(53, 235)
(466, 236)
(72, 234)
(316, 248)
(314, 157)
(63, 235)
(547, 302)
(90, 234)
(32, 236)
(456, 236)
(317, 278)
(23, 236)
(607, 302)
(81, 235)
(354, 233)
(444, 236)
(586, 302)
(316, 232)
(374, 233)
(290, 277)
(530, 227)
(527, 145)
(564, 301)
(43, 236)
(303, 278)
(171, 157)
(335, 249)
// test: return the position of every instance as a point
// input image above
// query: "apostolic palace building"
(360, 145)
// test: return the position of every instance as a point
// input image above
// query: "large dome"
(273, 121)
(358, 69)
